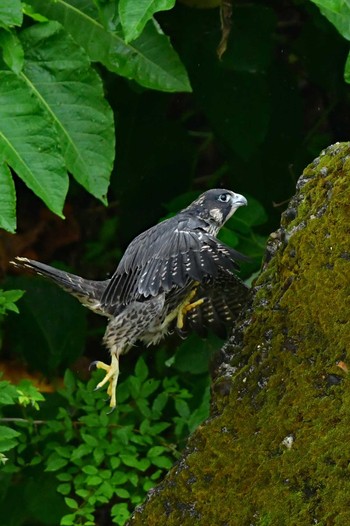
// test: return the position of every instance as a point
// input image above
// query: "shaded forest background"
(165, 120)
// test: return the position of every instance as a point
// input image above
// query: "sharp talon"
(93, 364)
(110, 378)
(110, 411)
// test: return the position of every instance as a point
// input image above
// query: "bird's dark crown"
(216, 206)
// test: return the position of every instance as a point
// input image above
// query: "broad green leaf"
(135, 15)
(150, 60)
(338, 13)
(12, 50)
(60, 76)
(28, 142)
(333, 5)
(7, 199)
(10, 13)
(8, 433)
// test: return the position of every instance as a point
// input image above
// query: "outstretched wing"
(169, 254)
(224, 297)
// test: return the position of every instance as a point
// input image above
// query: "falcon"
(175, 276)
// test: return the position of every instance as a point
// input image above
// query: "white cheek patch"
(216, 214)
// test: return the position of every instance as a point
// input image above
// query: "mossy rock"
(276, 450)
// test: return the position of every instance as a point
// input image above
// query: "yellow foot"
(112, 373)
(186, 306)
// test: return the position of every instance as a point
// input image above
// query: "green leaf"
(347, 70)
(64, 489)
(93, 480)
(28, 142)
(162, 462)
(90, 470)
(59, 74)
(8, 393)
(55, 462)
(12, 50)
(10, 13)
(120, 513)
(141, 369)
(122, 493)
(8, 299)
(133, 462)
(150, 60)
(338, 13)
(71, 503)
(160, 402)
(68, 520)
(182, 408)
(155, 451)
(90, 440)
(8, 433)
(149, 387)
(135, 15)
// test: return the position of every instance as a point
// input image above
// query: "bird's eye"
(224, 198)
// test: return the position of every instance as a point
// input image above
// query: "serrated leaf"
(7, 200)
(59, 72)
(28, 142)
(12, 50)
(11, 13)
(150, 60)
(135, 15)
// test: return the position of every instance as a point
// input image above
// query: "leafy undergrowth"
(72, 463)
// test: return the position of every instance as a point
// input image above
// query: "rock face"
(276, 450)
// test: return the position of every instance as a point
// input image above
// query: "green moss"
(277, 450)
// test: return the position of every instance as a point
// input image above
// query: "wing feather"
(167, 255)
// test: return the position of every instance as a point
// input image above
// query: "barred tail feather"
(88, 292)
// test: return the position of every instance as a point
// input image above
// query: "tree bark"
(276, 449)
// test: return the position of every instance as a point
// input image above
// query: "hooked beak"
(239, 200)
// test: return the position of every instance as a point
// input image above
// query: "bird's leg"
(186, 306)
(112, 373)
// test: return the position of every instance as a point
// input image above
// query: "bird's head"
(217, 206)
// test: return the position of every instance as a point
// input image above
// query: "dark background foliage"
(252, 122)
